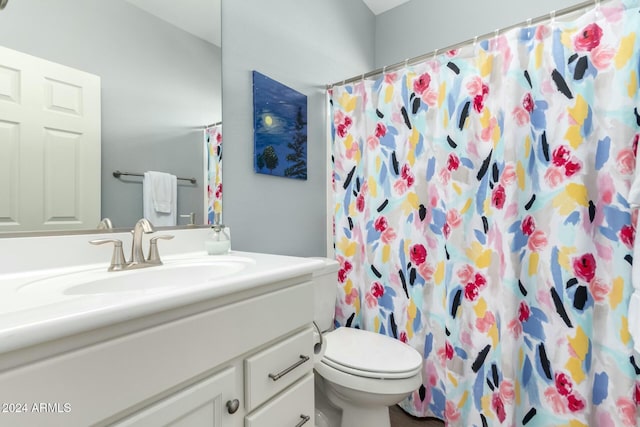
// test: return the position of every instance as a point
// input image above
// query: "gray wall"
(160, 86)
(421, 26)
(303, 44)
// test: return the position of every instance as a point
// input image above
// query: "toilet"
(358, 374)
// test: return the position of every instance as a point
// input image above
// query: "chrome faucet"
(143, 226)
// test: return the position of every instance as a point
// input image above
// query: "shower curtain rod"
(550, 16)
(212, 125)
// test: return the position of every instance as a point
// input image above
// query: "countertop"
(33, 312)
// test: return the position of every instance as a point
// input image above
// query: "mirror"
(159, 64)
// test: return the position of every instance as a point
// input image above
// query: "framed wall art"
(279, 129)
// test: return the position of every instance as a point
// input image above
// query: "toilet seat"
(370, 355)
(371, 374)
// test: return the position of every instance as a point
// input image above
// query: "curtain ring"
(552, 16)
(529, 21)
(475, 41)
(435, 54)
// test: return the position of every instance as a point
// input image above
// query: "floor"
(399, 418)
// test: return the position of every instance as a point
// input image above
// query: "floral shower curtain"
(481, 217)
(213, 144)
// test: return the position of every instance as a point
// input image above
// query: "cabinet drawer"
(293, 408)
(272, 370)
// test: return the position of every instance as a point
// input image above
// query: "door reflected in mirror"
(159, 68)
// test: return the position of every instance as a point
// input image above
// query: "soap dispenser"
(218, 242)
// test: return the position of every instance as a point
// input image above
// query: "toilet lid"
(370, 354)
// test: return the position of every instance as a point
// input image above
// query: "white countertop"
(29, 317)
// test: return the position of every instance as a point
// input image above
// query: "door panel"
(50, 141)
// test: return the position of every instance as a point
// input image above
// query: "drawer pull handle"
(233, 405)
(279, 375)
(305, 418)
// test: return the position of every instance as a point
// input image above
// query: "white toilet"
(361, 373)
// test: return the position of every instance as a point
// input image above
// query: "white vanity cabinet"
(244, 359)
(210, 402)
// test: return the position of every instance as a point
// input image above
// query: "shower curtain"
(481, 217)
(213, 144)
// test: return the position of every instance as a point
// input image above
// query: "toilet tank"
(325, 291)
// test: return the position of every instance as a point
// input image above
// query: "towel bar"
(118, 174)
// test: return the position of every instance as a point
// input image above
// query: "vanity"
(199, 341)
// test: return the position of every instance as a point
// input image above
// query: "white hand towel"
(159, 191)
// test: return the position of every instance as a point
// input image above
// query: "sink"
(145, 280)
(158, 278)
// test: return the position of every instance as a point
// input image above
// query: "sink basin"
(145, 280)
(156, 278)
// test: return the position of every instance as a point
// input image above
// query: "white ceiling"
(198, 17)
(381, 6)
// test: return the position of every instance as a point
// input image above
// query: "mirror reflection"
(147, 73)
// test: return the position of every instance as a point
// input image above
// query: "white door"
(209, 403)
(49, 145)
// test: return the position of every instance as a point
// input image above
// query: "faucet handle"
(191, 216)
(154, 255)
(118, 262)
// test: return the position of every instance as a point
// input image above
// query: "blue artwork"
(280, 129)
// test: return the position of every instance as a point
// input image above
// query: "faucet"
(105, 224)
(143, 226)
(118, 262)
(191, 216)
